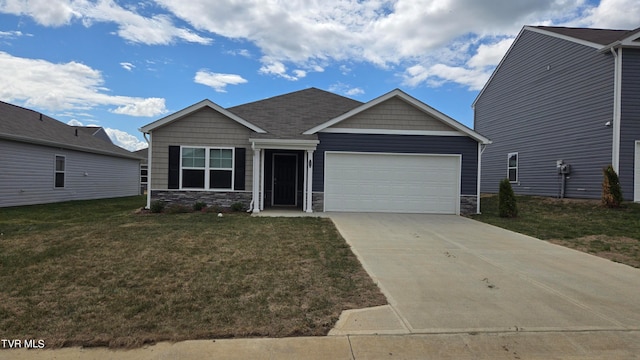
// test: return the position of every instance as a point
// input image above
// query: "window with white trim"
(512, 167)
(206, 168)
(59, 173)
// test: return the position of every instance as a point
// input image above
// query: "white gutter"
(617, 91)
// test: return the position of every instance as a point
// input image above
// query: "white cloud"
(490, 54)
(155, 30)
(140, 106)
(438, 74)
(345, 89)
(614, 14)
(218, 81)
(12, 34)
(66, 86)
(127, 66)
(125, 140)
(74, 122)
(277, 68)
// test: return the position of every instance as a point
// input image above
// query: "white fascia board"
(284, 144)
(409, 99)
(195, 107)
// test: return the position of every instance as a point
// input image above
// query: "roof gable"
(197, 107)
(24, 125)
(289, 115)
(398, 94)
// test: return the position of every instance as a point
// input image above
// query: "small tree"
(507, 206)
(611, 190)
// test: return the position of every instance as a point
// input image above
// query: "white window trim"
(56, 172)
(144, 167)
(513, 167)
(207, 167)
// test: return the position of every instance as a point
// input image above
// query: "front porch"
(283, 175)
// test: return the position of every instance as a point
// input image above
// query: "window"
(207, 168)
(58, 176)
(144, 174)
(512, 167)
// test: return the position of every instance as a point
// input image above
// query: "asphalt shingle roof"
(21, 124)
(598, 36)
(288, 116)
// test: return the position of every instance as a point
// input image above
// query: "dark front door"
(285, 170)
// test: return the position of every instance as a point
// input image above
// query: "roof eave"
(29, 140)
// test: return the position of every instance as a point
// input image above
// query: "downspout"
(149, 157)
(617, 90)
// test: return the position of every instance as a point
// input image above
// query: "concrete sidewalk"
(484, 346)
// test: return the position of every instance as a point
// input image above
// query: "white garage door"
(374, 182)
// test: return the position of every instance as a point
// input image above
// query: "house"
(44, 160)
(561, 105)
(317, 151)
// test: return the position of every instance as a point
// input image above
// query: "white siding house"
(44, 160)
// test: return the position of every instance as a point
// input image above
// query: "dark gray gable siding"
(630, 123)
(548, 101)
(412, 144)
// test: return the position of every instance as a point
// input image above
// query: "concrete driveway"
(449, 274)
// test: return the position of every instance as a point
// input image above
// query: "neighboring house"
(95, 131)
(144, 169)
(563, 104)
(317, 151)
(44, 160)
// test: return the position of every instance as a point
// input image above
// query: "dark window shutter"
(239, 168)
(174, 167)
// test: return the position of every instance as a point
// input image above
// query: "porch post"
(309, 164)
(304, 183)
(256, 180)
(262, 180)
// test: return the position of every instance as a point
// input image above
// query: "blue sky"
(124, 64)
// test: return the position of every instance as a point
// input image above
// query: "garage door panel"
(391, 182)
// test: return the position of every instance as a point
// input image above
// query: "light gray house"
(44, 160)
(563, 104)
(317, 151)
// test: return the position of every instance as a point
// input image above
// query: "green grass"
(94, 273)
(580, 224)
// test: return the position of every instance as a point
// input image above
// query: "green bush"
(507, 206)
(199, 205)
(611, 190)
(157, 206)
(238, 206)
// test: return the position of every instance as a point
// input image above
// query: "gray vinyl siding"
(206, 127)
(630, 123)
(394, 114)
(549, 100)
(27, 175)
(413, 144)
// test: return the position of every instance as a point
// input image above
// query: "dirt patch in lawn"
(616, 248)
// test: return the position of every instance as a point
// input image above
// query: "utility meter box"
(565, 169)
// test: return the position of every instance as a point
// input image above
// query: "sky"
(124, 64)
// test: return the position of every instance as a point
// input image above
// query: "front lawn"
(94, 273)
(584, 225)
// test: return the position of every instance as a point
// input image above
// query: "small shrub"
(507, 206)
(611, 190)
(178, 209)
(157, 206)
(237, 206)
(199, 206)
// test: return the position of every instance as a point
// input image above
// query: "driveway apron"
(448, 274)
